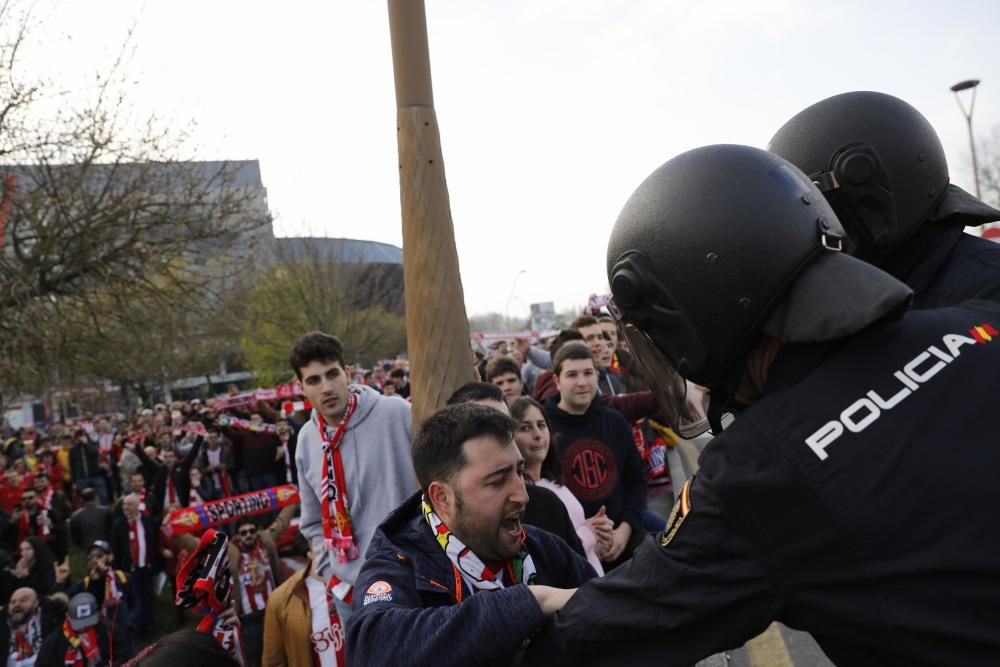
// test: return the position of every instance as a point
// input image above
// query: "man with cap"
(108, 585)
(822, 505)
(25, 623)
(881, 166)
(86, 638)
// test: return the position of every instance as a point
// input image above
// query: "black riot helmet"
(720, 245)
(880, 164)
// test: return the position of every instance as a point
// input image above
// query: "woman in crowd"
(35, 568)
(542, 467)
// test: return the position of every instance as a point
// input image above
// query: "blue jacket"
(407, 612)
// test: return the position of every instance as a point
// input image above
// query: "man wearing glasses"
(256, 571)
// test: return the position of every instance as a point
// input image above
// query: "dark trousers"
(141, 614)
(252, 627)
(258, 482)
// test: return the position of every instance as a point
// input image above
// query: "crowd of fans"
(104, 487)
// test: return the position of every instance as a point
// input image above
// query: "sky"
(551, 111)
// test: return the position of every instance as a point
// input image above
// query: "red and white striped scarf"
(45, 500)
(83, 649)
(327, 636)
(142, 503)
(111, 591)
(256, 578)
(137, 542)
(337, 533)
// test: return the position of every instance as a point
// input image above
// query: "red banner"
(285, 391)
(196, 518)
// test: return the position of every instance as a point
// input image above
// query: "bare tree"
(104, 229)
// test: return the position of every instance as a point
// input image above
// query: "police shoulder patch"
(682, 507)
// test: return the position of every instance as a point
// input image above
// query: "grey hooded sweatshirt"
(379, 471)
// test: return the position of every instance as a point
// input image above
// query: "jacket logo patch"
(380, 591)
(984, 333)
(682, 507)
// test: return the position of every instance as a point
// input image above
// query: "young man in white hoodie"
(353, 460)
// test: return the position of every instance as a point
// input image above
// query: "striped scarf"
(475, 573)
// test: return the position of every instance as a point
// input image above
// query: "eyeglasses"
(247, 532)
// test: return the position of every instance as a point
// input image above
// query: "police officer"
(881, 166)
(855, 496)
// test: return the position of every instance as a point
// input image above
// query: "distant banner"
(281, 392)
(288, 407)
(191, 427)
(195, 518)
(246, 424)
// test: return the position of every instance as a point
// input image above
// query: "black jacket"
(856, 500)
(156, 473)
(85, 460)
(121, 548)
(945, 266)
(110, 640)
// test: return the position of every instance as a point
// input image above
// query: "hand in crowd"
(619, 540)
(603, 528)
(522, 344)
(62, 571)
(21, 568)
(551, 599)
(229, 617)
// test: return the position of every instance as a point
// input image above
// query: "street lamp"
(957, 88)
(513, 286)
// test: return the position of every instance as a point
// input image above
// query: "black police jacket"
(857, 500)
(945, 266)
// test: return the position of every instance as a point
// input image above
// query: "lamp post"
(957, 88)
(513, 286)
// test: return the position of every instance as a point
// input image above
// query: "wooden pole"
(437, 328)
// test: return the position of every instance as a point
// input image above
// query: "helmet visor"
(684, 404)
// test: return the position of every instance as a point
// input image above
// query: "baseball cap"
(83, 611)
(99, 544)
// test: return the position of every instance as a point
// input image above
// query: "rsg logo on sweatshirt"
(920, 370)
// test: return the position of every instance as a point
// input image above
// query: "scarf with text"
(246, 424)
(26, 639)
(83, 650)
(475, 573)
(327, 636)
(337, 533)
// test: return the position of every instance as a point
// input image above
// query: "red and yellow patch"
(983, 333)
(682, 507)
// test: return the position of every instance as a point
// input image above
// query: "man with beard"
(25, 623)
(460, 536)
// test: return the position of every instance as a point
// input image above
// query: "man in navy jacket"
(420, 595)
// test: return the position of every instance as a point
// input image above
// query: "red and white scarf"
(327, 636)
(112, 593)
(220, 477)
(104, 443)
(337, 533)
(25, 641)
(256, 578)
(137, 542)
(24, 526)
(83, 649)
(45, 499)
(142, 503)
(170, 494)
(288, 459)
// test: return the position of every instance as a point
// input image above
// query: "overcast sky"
(551, 111)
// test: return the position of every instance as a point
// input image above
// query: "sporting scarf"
(475, 573)
(246, 424)
(26, 640)
(256, 578)
(83, 650)
(337, 533)
(327, 637)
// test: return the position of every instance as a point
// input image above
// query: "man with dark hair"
(55, 505)
(353, 460)
(597, 451)
(397, 377)
(108, 586)
(505, 373)
(545, 510)
(453, 575)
